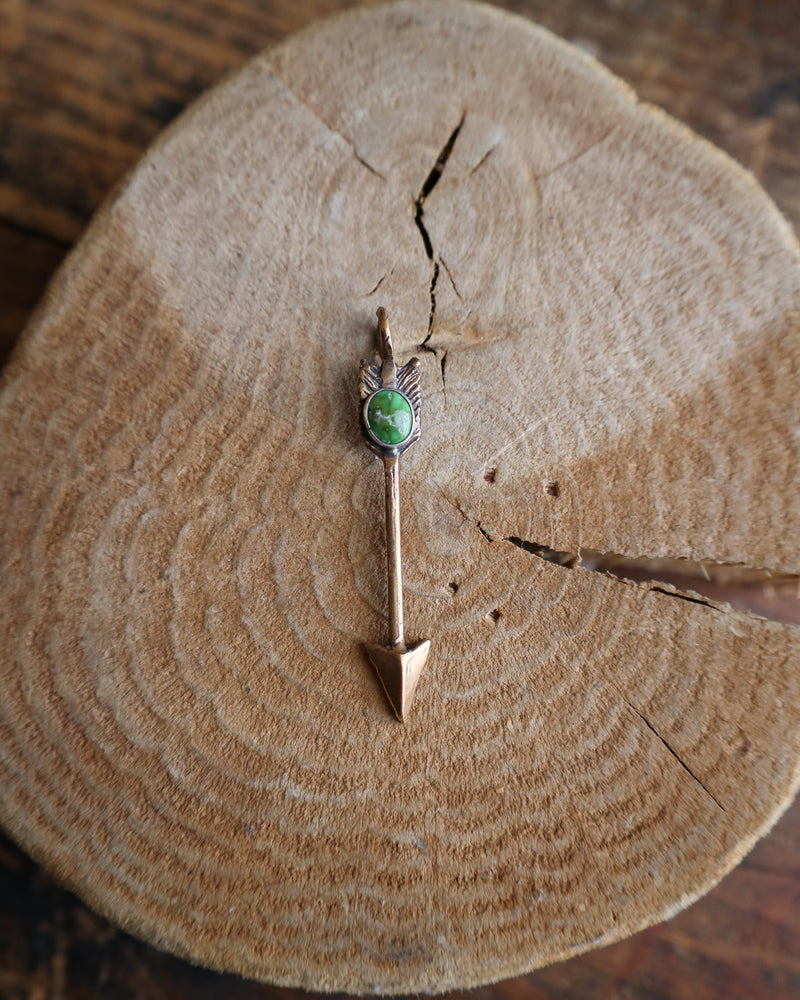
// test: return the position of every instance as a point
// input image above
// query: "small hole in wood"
(552, 489)
(490, 475)
(494, 615)
(453, 586)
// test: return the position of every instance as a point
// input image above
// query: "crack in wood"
(708, 583)
(677, 756)
(579, 155)
(428, 185)
(484, 532)
(375, 288)
(568, 560)
(317, 117)
(681, 596)
(450, 276)
(484, 158)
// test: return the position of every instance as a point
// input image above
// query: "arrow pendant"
(390, 425)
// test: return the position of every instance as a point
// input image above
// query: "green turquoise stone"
(389, 416)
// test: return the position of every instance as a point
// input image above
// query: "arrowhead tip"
(398, 669)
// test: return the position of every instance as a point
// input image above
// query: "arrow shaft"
(391, 468)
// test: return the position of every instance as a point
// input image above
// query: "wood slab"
(191, 736)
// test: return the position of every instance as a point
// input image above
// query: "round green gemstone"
(389, 416)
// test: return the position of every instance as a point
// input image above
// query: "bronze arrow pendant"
(390, 424)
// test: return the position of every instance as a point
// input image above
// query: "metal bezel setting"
(382, 446)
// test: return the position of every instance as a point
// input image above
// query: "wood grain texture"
(84, 86)
(517, 577)
(55, 947)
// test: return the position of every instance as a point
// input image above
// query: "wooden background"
(84, 87)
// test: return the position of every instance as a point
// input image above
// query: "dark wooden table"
(85, 85)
